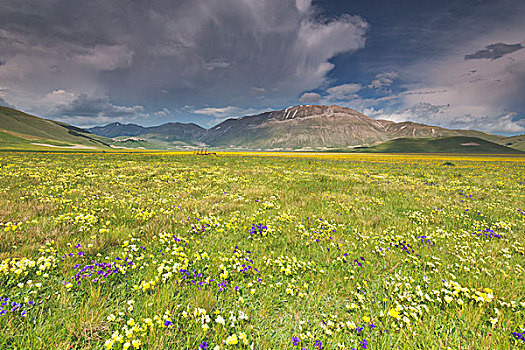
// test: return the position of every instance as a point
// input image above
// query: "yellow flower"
(242, 336)
(109, 344)
(366, 319)
(394, 313)
(232, 340)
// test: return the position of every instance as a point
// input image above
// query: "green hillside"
(517, 142)
(19, 130)
(455, 144)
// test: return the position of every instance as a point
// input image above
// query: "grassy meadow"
(258, 251)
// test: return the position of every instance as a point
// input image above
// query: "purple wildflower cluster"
(196, 279)
(7, 306)
(295, 340)
(258, 229)
(425, 240)
(487, 233)
(246, 266)
(97, 272)
(403, 245)
(198, 227)
(519, 336)
(79, 253)
(222, 286)
(469, 196)
(359, 261)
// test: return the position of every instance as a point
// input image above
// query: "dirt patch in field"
(71, 147)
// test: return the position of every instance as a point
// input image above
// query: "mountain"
(320, 126)
(19, 130)
(453, 144)
(117, 129)
(297, 127)
(163, 136)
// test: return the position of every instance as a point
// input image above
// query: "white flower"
(220, 320)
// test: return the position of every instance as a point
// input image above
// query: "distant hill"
(517, 142)
(185, 132)
(454, 144)
(19, 130)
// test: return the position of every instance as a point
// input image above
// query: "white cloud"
(446, 116)
(318, 42)
(162, 113)
(343, 92)
(258, 91)
(303, 5)
(220, 114)
(383, 80)
(450, 91)
(310, 97)
(216, 65)
(475, 91)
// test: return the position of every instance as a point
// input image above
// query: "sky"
(456, 64)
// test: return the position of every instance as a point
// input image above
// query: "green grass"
(29, 129)
(337, 243)
(517, 142)
(455, 144)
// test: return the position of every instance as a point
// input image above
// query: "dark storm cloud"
(172, 53)
(86, 106)
(143, 61)
(495, 51)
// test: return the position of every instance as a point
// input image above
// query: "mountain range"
(304, 127)
(299, 127)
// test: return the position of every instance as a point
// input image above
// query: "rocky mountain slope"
(296, 127)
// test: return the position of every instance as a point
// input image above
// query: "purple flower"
(364, 343)
(295, 340)
(203, 345)
(519, 336)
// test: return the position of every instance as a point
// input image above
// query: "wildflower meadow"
(261, 251)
